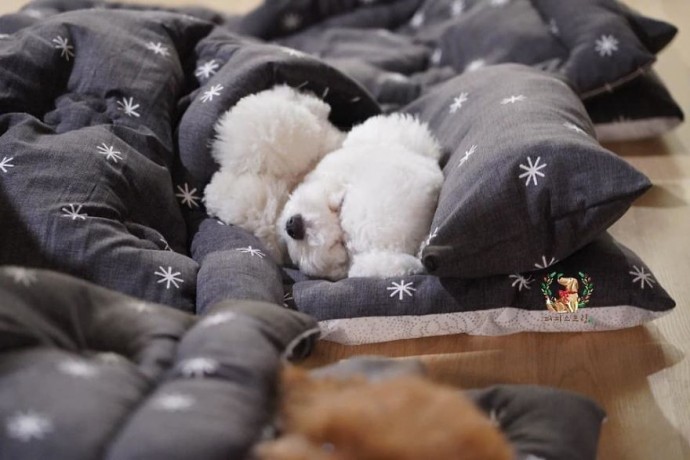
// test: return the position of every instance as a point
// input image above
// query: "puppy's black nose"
(295, 227)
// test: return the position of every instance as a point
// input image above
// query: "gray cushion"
(615, 290)
(640, 109)
(88, 373)
(598, 46)
(525, 180)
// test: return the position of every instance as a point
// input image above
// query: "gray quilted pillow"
(526, 183)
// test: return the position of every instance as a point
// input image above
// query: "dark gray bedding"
(87, 373)
(106, 112)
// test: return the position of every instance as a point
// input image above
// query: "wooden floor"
(642, 375)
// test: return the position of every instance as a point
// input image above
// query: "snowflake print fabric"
(129, 107)
(498, 174)
(158, 48)
(207, 69)
(6, 164)
(609, 280)
(124, 156)
(104, 155)
(212, 92)
(63, 45)
(28, 426)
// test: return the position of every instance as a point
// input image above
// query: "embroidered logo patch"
(569, 298)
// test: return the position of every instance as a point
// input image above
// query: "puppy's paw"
(384, 264)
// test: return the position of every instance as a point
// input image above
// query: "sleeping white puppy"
(366, 208)
(265, 145)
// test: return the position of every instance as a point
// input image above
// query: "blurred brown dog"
(401, 418)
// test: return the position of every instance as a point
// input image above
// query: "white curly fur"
(367, 207)
(265, 145)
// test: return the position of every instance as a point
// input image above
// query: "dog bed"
(106, 113)
(90, 373)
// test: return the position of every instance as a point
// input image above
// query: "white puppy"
(265, 145)
(366, 208)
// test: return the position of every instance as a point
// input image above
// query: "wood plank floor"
(641, 375)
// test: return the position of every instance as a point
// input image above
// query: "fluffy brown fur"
(403, 418)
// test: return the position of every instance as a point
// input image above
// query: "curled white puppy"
(265, 145)
(366, 208)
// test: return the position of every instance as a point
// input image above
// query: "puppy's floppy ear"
(335, 200)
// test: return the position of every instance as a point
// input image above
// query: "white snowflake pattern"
(109, 152)
(198, 367)
(499, 2)
(458, 101)
(5, 163)
(513, 99)
(292, 21)
(211, 93)
(418, 19)
(287, 297)
(436, 56)
(128, 106)
(521, 281)
(642, 276)
(62, 44)
(168, 277)
(4, 36)
(367, 2)
(218, 318)
(532, 170)
(80, 369)
(74, 212)
(401, 289)
(173, 402)
(574, 127)
(188, 197)
(21, 275)
(457, 7)
(545, 263)
(468, 153)
(158, 48)
(207, 69)
(28, 425)
(533, 457)
(252, 252)
(606, 45)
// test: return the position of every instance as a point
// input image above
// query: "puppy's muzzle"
(295, 227)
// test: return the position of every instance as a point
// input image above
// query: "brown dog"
(400, 418)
